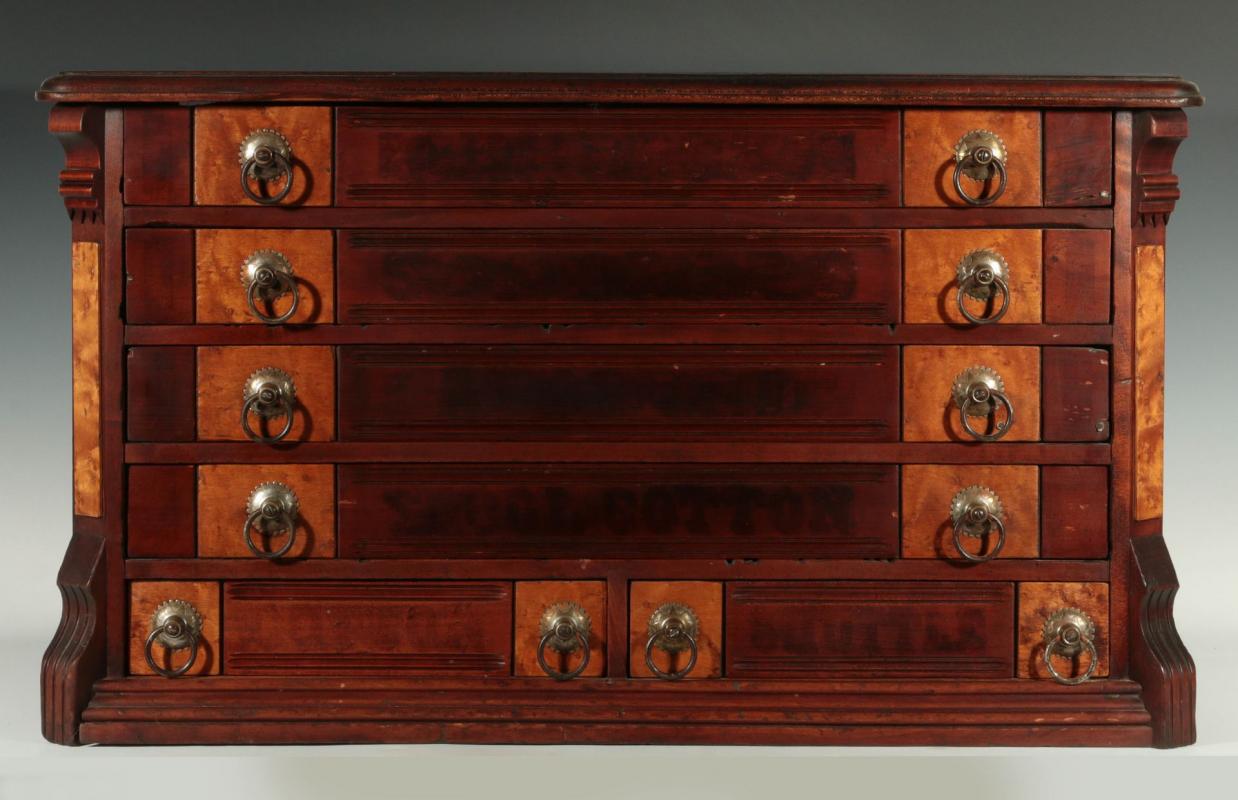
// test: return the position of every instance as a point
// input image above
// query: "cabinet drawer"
(618, 511)
(616, 156)
(661, 392)
(619, 275)
(220, 134)
(810, 629)
(368, 627)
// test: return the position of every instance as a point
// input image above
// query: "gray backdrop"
(1194, 39)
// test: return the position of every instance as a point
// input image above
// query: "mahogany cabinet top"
(403, 87)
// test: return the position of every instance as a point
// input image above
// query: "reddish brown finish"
(618, 275)
(145, 598)
(159, 276)
(80, 131)
(1075, 512)
(1078, 158)
(799, 629)
(1039, 601)
(381, 628)
(1076, 276)
(161, 396)
(704, 599)
(157, 156)
(817, 393)
(572, 156)
(618, 511)
(161, 521)
(1076, 394)
(532, 600)
(1159, 659)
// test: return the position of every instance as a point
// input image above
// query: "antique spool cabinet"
(512, 408)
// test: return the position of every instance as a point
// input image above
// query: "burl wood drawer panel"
(698, 602)
(538, 605)
(929, 141)
(637, 393)
(618, 511)
(223, 294)
(931, 269)
(224, 492)
(869, 629)
(1038, 603)
(545, 156)
(219, 132)
(382, 628)
(619, 275)
(222, 376)
(145, 600)
(928, 494)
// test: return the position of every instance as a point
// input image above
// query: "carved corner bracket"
(1159, 659)
(79, 129)
(1157, 135)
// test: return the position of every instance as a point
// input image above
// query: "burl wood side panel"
(223, 495)
(931, 260)
(87, 380)
(928, 489)
(532, 598)
(161, 517)
(1037, 601)
(1149, 381)
(658, 392)
(157, 147)
(1078, 158)
(614, 156)
(161, 395)
(619, 275)
(929, 138)
(929, 411)
(222, 372)
(1075, 512)
(618, 511)
(381, 628)
(221, 294)
(144, 599)
(219, 130)
(704, 598)
(159, 276)
(1077, 276)
(869, 629)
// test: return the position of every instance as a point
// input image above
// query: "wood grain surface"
(929, 138)
(928, 489)
(1037, 601)
(221, 294)
(1149, 381)
(223, 492)
(144, 599)
(533, 598)
(217, 136)
(930, 274)
(929, 410)
(222, 372)
(704, 598)
(87, 377)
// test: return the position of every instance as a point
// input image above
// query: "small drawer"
(971, 512)
(618, 276)
(271, 511)
(561, 629)
(254, 276)
(262, 155)
(614, 156)
(675, 630)
(869, 629)
(826, 393)
(382, 628)
(174, 628)
(618, 511)
(994, 155)
(233, 386)
(1064, 631)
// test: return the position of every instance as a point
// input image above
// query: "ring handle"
(176, 625)
(979, 155)
(975, 521)
(565, 629)
(981, 274)
(266, 157)
(673, 628)
(975, 400)
(268, 393)
(268, 276)
(251, 404)
(272, 510)
(980, 392)
(1069, 632)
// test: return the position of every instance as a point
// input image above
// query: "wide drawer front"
(618, 511)
(802, 629)
(518, 392)
(410, 156)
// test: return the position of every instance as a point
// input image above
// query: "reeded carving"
(80, 132)
(74, 659)
(1159, 659)
(1157, 135)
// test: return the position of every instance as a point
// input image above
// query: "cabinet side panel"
(87, 455)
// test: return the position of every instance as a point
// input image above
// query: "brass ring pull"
(272, 512)
(1069, 632)
(979, 392)
(981, 275)
(176, 625)
(976, 511)
(565, 629)
(980, 155)
(673, 628)
(266, 157)
(268, 276)
(268, 393)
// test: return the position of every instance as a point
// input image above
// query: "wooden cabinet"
(613, 409)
